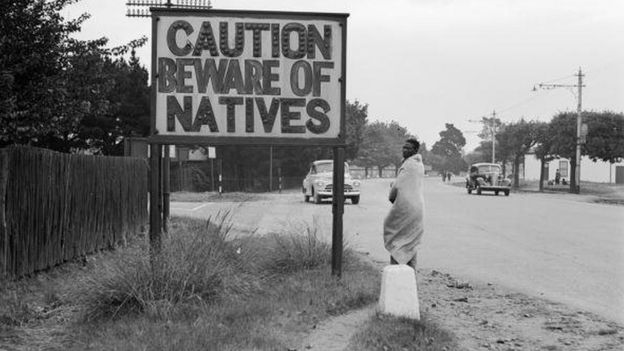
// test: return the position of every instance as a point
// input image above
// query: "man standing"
(403, 226)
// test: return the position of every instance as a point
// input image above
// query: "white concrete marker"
(399, 293)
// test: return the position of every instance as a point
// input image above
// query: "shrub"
(198, 264)
(300, 247)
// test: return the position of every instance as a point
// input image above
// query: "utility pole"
(575, 186)
(490, 124)
(493, 130)
(579, 123)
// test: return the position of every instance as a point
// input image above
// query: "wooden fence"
(55, 207)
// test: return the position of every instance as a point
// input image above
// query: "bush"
(198, 264)
(300, 247)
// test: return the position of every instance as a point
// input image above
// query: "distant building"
(599, 171)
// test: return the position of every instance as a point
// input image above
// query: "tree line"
(552, 140)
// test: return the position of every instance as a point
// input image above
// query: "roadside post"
(237, 77)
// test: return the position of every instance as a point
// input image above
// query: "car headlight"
(356, 184)
(320, 183)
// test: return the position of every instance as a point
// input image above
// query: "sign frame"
(155, 138)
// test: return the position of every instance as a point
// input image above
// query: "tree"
(58, 92)
(449, 148)
(123, 102)
(543, 149)
(563, 126)
(515, 140)
(355, 122)
(605, 136)
(376, 151)
(397, 135)
(35, 51)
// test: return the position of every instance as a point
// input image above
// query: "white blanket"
(403, 226)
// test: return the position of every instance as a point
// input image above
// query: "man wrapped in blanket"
(403, 226)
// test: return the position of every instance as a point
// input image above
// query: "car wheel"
(355, 200)
(478, 190)
(469, 190)
(506, 192)
(496, 193)
(317, 197)
(306, 198)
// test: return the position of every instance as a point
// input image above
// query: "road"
(549, 246)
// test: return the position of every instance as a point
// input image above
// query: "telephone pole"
(575, 186)
(490, 124)
(493, 130)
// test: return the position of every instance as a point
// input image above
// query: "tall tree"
(449, 148)
(563, 126)
(355, 123)
(605, 136)
(543, 149)
(376, 151)
(35, 50)
(515, 140)
(397, 135)
(58, 91)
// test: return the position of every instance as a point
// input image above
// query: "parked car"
(487, 177)
(318, 183)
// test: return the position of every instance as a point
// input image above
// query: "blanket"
(403, 226)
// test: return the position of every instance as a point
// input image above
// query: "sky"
(425, 63)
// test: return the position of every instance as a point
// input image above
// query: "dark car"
(487, 177)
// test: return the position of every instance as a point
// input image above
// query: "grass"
(185, 196)
(391, 333)
(206, 290)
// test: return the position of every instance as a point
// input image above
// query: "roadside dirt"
(487, 317)
(483, 317)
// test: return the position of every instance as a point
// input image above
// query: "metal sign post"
(155, 212)
(337, 210)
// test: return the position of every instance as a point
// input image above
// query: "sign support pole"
(166, 188)
(155, 201)
(337, 210)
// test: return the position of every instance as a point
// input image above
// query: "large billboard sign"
(250, 77)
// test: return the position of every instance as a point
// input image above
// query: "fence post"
(279, 175)
(220, 177)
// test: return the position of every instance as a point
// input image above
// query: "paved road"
(550, 246)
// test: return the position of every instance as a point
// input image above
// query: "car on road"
(487, 177)
(317, 184)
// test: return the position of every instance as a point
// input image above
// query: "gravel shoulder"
(487, 317)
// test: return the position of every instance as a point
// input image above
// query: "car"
(317, 184)
(487, 177)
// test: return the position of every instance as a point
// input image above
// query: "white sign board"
(248, 77)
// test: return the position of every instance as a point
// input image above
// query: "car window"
(329, 167)
(489, 168)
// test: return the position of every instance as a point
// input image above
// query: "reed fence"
(56, 207)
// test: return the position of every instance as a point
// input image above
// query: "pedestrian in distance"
(403, 226)
(557, 177)
(443, 176)
(448, 176)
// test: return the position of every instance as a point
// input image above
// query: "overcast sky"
(424, 63)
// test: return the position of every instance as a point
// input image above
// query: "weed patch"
(390, 333)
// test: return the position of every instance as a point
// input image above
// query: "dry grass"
(391, 333)
(185, 196)
(206, 291)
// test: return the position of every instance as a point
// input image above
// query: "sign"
(212, 153)
(231, 77)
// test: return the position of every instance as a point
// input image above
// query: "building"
(599, 171)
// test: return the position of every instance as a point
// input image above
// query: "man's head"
(410, 147)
